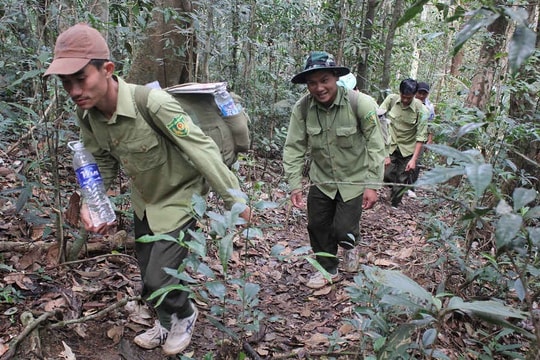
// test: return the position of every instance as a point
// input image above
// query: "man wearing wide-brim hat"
(347, 153)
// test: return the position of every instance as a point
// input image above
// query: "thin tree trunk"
(389, 44)
(363, 77)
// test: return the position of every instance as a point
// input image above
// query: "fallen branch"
(96, 315)
(27, 330)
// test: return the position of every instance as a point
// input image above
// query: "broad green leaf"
(216, 288)
(439, 175)
(225, 250)
(302, 250)
(401, 301)
(249, 294)
(533, 213)
(199, 205)
(522, 45)
(180, 275)
(253, 233)
(485, 307)
(479, 175)
(277, 250)
(508, 227)
(467, 128)
(429, 336)
(411, 12)
(503, 208)
(398, 281)
(519, 15)
(522, 197)
(206, 271)
(153, 238)
(448, 151)
(534, 235)
(480, 18)
(520, 289)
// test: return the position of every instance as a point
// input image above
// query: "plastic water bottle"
(91, 183)
(225, 102)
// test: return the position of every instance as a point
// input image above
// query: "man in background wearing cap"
(408, 133)
(163, 175)
(347, 154)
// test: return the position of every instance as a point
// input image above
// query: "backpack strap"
(141, 101)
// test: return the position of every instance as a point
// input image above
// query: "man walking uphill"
(164, 174)
(347, 154)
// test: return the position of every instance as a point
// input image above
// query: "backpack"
(353, 101)
(231, 134)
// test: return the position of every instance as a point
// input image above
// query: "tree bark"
(389, 45)
(488, 65)
(362, 75)
(157, 58)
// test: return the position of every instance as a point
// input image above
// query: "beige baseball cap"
(74, 49)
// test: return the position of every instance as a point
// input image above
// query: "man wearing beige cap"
(164, 174)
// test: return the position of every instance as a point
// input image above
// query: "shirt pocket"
(346, 136)
(145, 154)
(315, 134)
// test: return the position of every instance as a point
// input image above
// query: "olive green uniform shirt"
(163, 176)
(408, 125)
(347, 150)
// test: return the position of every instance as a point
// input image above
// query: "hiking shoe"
(411, 194)
(317, 280)
(152, 338)
(350, 260)
(180, 334)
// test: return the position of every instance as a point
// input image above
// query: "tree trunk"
(488, 65)
(157, 58)
(389, 45)
(362, 75)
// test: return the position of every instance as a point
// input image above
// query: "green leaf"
(197, 245)
(522, 46)
(412, 12)
(225, 250)
(439, 175)
(217, 289)
(448, 151)
(398, 281)
(199, 205)
(467, 128)
(429, 336)
(522, 197)
(520, 289)
(489, 307)
(479, 175)
(152, 238)
(533, 213)
(534, 235)
(481, 18)
(508, 227)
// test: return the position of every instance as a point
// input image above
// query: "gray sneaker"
(350, 260)
(180, 333)
(153, 337)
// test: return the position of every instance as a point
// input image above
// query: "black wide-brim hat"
(319, 60)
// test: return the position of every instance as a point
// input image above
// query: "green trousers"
(395, 173)
(332, 223)
(153, 258)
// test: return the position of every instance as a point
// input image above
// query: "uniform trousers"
(395, 173)
(153, 257)
(332, 223)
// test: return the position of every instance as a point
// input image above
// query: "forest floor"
(296, 322)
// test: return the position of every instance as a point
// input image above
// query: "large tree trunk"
(157, 58)
(488, 65)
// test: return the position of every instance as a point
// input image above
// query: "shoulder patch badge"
(372, 117)
(178, 126)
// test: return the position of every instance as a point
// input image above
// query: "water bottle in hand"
(225, 102)
(91, 183)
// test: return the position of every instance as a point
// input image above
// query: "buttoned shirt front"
(408, 124)
(347, 149)
(164, 175)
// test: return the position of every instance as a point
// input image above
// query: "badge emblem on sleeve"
(178, 126)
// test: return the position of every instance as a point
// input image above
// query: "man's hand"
(297, 198)
(102, 229)
(387, 161)
(411, 165)
(246, 214)
(369, 199)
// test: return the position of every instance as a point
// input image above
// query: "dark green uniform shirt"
(347, 149)
(408, 125)
(163, 176)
